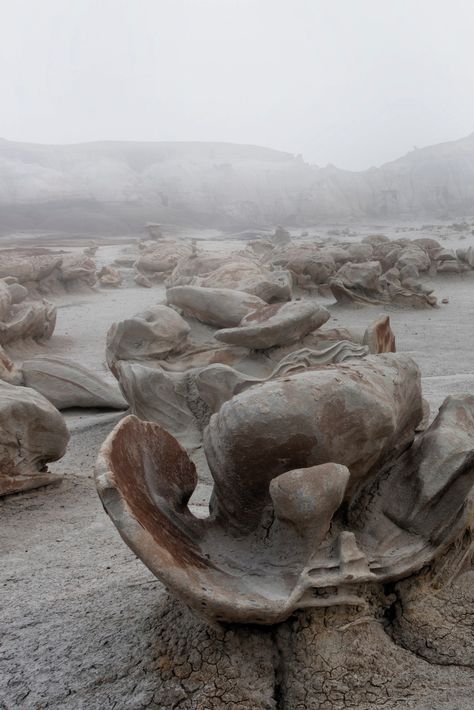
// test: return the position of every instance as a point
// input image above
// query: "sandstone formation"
(43, 273)
(184, 182)
(309, 506)
(220, 307)
(108, 276)
(362, 284)
(67, 384)
(150, 335)
(32, 433)
(159, 258)
(195, 266)
(277, 324)
(245, 275)
(168, 376)
(8, 371)
(22, 318)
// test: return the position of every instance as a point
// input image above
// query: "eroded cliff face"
(113, 187)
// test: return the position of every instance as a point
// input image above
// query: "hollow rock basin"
(322, 491)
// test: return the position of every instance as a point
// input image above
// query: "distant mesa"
(115, 187)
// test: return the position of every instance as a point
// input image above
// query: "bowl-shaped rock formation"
(321, 491)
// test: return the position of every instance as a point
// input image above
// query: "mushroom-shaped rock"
(32, 433)
(220, 307)
(150, 335)
(67, 384)
(276, 324)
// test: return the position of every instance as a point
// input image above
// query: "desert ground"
(80, 615)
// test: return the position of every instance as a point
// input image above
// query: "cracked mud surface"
(83, 624)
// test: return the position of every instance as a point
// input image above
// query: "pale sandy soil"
(77, 609)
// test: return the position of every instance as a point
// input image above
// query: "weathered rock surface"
(245, 275)
(8, 371)
(67, 384)
(159, 258)
(309, 264)
(267, 185)
(108, 276)
(22, 319)
(32, 433)
(150, 335)
(219, 307)
(198, 264)
(278, 475)
(42, 273)
(360, 284)
(276, 324)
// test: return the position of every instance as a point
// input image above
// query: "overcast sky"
(350, 82)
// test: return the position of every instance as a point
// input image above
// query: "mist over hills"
(114, 187)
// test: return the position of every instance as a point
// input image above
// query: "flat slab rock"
(220, 307)
(276, 324)
(67, 384)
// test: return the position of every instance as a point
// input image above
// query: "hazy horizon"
(353, 84)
